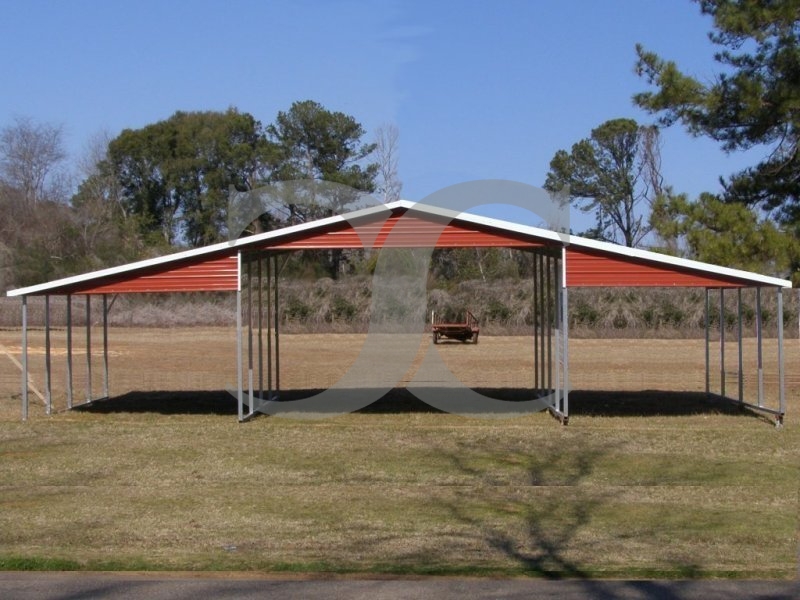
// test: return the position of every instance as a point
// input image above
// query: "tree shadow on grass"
(400, 400)
(544, 523)
(554, 512)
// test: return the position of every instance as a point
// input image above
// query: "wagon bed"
(465, 332)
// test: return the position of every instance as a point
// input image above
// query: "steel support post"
(708, 342)
(557, 337)
(759, 348)
(260, 331)
(739, 345)
(88, 348)
(239, 366)
(69, 351)
(722, 342)
(781, 382)
(535, 328)
(277, 333)
(542, 325)
(105, 346)
(565, 331)
(48, 388)
(24, 358)
(269, 328)
(250, 334)
(549, 309)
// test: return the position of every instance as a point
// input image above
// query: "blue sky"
(477, 89)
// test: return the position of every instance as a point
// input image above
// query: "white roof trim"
(606, 247)
(684, 263)
(526, 230)
(232, 245)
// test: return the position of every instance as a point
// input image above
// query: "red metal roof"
(403, 225)
(210, 275)
(587, 268)
(405, 231)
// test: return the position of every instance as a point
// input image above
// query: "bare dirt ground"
(204, 359)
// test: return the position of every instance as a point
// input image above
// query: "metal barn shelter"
(560, 261)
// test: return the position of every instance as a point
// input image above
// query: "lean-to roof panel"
(211, 274)
(587, 268)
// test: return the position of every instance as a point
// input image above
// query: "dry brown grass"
(624, 490)
(503, 306)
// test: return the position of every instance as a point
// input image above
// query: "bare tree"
(386, 149)
(95, 151)
(97, 180)
(30, 154)
(650, 161)
(98, 199)
(614, 174)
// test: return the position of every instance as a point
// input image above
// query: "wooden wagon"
(465, 332)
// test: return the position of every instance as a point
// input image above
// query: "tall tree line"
(754, 221)
(752, 103)
(162, 186)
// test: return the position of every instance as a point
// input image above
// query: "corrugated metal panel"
(410, 225)
(595, 269)
(209, 274)
(406, 232)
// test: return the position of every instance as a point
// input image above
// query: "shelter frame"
(561, 261)
(760, 405)
(261, 282)
(47, 397)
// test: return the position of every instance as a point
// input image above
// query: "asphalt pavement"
(149, 586)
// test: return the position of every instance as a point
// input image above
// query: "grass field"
(649, 479)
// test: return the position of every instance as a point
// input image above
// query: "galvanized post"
(24, 358)
(781, 383)
(722, 342)
(277, 334)
(557, 336)
(88, 348)
(708, 342)
(542, 325)
(260, 332)
(269, 328)
(565, 330)
(250, 333)
(48, 388)
(239, 386)
(549, 309)
(105, 346)
(741, 353)
(69, 351)
(535, 327)
(759, 348)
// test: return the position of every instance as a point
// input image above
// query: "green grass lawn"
(658, 496)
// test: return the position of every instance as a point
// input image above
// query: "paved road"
(69, 586)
